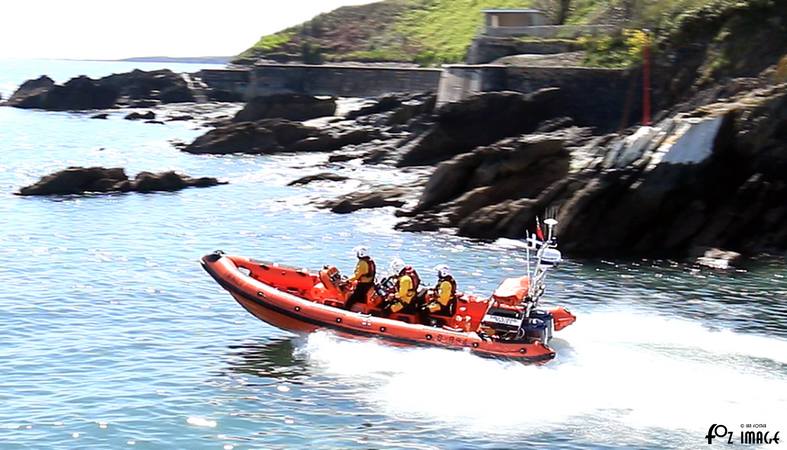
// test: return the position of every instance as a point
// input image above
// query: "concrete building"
(509, 21)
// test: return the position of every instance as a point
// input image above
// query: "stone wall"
(461, 81)
(486, 49)
(232, 81)
(603, 98)
(333, 80)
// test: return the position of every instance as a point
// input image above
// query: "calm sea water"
(111, 335)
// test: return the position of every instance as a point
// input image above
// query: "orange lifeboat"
(303, 302)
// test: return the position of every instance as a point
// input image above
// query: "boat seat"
(334, 303)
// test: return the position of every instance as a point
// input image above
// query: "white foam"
(628, 371)
(201, 422)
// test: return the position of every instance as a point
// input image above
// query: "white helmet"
(361, 251)
(442, 271)
(396, 266)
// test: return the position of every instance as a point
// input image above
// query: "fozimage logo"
(750, 433)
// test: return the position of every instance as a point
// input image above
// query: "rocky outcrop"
(264, 136)
(148, 115)
(162, 85)
(77, 94)
(30, 93)
(176, 94)
(325, 176)
(276, 136)
(479, 120)
(471, 191)
(374, 198)
(703, 180)
(712, 178)
(137, 88)
(331, 141)
(81, 180)
(295, 107)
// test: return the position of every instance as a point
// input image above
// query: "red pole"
(646, 83)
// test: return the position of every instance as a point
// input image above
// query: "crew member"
(407, 284)
(365, 271)
(443, 300)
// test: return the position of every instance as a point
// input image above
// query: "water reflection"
(276, 358)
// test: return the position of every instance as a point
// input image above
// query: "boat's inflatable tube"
(299, 301)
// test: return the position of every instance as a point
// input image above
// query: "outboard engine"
(540, 325)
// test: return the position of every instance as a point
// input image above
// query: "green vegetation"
(617, 50)
(444, 29)
(432, 32)
(273, 41)
(427, 32)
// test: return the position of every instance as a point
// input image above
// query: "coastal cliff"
(708, 172)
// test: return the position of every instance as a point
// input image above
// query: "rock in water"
(164, 85)
(30, 94)
(275, 136)
(264, 136)
(76, 180)
(137, 88)
(326, 176)
(297, 107)
(77, 94)
(176, 94)
(149, 115)
(80, 180)
(376, 198)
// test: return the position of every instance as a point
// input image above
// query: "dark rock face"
(475, 191)
(149, 115)
(329, 142)
(395, 110)
(295, 107)
(137, 88)
(224, 96)
(30, 93)
(80, 180)
(480, 120)
(325, 176)
(377, 198)
(733, 200)
(265, 136)
(75, 180)
(714, 178)
(275, 136)
(180, 118)
(176, 94)
(77, 94)
(142, 85)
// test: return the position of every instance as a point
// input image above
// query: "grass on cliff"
(427, 32)
(432, 32)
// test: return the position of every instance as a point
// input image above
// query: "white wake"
(617, 376)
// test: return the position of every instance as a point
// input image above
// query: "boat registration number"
(512, 321)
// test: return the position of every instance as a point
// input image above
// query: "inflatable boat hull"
(281, 296)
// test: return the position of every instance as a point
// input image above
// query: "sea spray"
(629, 374)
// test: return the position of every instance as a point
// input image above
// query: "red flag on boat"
(539, 231)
